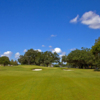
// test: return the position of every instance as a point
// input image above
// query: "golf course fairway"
(21, 83)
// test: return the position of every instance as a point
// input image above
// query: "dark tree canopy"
(81, 58)
(12, 62)
(64, 58)
(96, 52)
(4, 60)
(37, 58)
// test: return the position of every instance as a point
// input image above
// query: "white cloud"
(63, 54)
(17, 55)
(57, 50)
(8, 54)
(73, 49)
(38, 50)
(53, 35)
(50, 46)
(75, 19)
(25, 50)
(43, 45)
(91, 19)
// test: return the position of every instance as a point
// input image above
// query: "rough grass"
(21, 83)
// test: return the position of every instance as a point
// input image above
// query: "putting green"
(21, 83)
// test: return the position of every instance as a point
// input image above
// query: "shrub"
(56, 65)
(96, 69)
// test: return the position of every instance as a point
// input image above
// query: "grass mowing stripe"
(20, 83)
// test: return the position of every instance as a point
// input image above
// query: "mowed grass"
(21, 83)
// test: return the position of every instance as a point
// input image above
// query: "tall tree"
(15, 62)
(81, 58)
(12, 62)
(64, 58)
(50, 57)
(22, 60)
(4, 60)
(31, 56)
(55, 57)
(96, 52)
(37, 58)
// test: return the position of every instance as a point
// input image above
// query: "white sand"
(68, 70)
(36, 69)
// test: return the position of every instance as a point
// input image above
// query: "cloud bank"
(57, 50)
(90, 18)
(8, 54)
(50, 46)
(73, 49)
(53, 35)
(25, 50)
(63, 54)
(43, 45)
(75, 19)
(17, 55)
(39, 50)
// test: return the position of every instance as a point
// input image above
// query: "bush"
(96, 69)
(56, 66)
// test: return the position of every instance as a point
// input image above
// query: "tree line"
(85, 57)
(4, 60)
(34, 57)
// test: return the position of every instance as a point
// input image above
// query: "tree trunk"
(28, 62)
(47, 64)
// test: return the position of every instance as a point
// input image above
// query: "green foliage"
(64, 58)
(96, 52)
(96, 69)
(22, 60)
(50, 57)
(78, 58)
(96, 48)
(81, 58)
(56, 65)
(38, 58)
(4, 60)
(30, 56)
(15, 63)
(12, 62)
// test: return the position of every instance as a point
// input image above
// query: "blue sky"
(64, 24)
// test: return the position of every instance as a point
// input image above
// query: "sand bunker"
(36, 69)
(67, 70)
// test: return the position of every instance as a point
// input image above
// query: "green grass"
(21, 83)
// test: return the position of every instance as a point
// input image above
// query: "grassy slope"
(20, 83)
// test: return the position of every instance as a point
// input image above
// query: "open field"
(21, 83)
